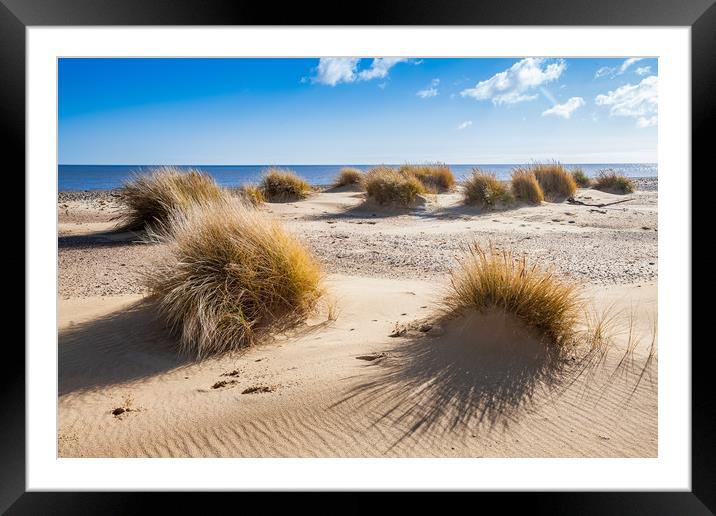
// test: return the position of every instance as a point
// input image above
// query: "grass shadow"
(438, 384)
(120, 347)
(111, 238)
(428, 210)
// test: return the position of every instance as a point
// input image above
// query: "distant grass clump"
(610, 181)
(435, 177)
(556, 181)
(486, 279)
(483, 189)
(148, 199)
(252, 194)
(581, 178)
(385, 185)
(233, 276)
(349, 177)
(281, 185)
(525, 186)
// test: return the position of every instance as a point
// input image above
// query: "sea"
(107, 177)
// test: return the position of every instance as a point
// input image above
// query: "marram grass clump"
(348, 176)
(580, 178)
(252, 195)
(282, 185)
(525, 187)
(148, 199)
(233, 276)
(610, 181)
(387, 186)
(435, 177)
(483, 189)
(556, 181)
(491, 279)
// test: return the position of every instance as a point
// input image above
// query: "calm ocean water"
(105, 177)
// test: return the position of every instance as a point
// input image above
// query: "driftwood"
(572, 200)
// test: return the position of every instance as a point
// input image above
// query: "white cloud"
(432, 91)
(426, 94)
(646, 122)
(465, 124)
(379, 68)
(334, 70)
(382, 85)
(616, 70)
(512, 85)
(643, 70)
(638, 101)
(627, 63)
(565, 110)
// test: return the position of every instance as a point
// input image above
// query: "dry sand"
(347, 388)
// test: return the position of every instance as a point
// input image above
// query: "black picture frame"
(17, 15)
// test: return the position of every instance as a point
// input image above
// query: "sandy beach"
(384, 379)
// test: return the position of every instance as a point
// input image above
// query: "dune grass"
(435, 177)
(581, 178)
(610, 181)
(388, 186)
(487, 279)
(252, 194)
(148, 199)
(483, 189)
(525, 187)
(233, 277)
(283, 185)
(556, 181)
(348, 177)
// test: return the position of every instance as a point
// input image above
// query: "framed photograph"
(442, 249)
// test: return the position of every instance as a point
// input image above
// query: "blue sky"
(360, 111)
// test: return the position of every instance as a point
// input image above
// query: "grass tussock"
(252, 194)
(233, 276)
(486, 279)
(349, 177)
(610, 181)
(556, 181)
(148, 199)
(485, 190)
(435, 177)
(282, 185)
(581, 178)
(525, 187)
(386, 185)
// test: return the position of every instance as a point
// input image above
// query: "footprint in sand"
(124, 408)
(258, 389)
(372, 356)
(223, 383)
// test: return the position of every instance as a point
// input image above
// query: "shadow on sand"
(133, 343)
(478, 373)
(125, 345)
(425, 209)
(112, 238)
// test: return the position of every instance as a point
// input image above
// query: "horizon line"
(346, 164)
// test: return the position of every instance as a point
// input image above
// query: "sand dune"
(388, 378)
(345, 388)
